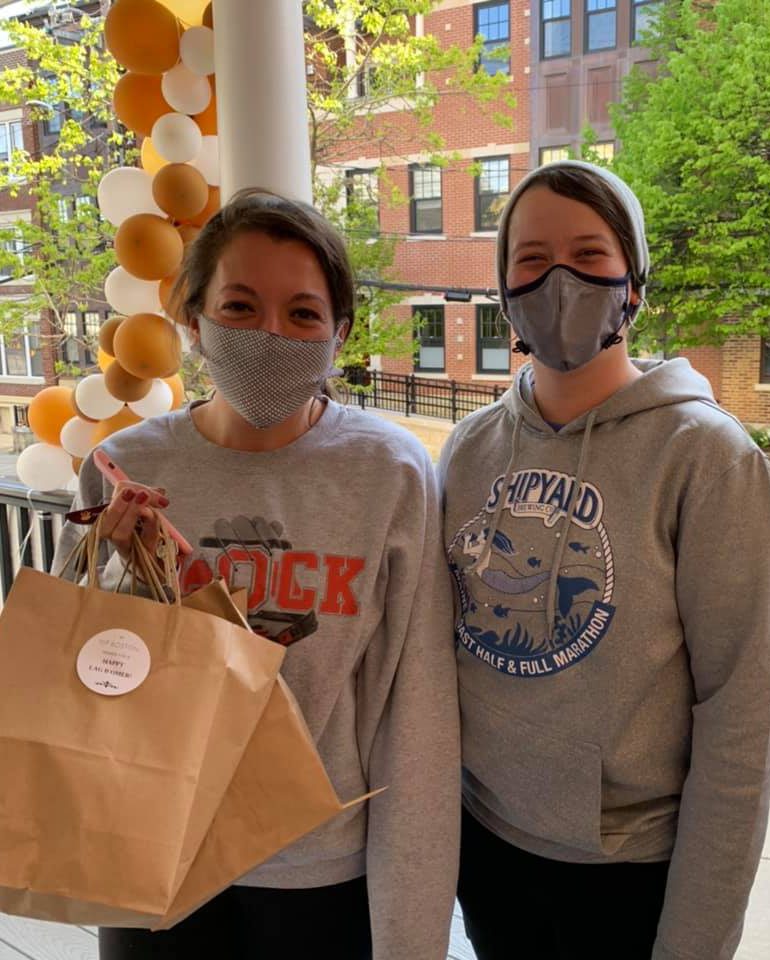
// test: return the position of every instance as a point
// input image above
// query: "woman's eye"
(306, 315)
(236, 306)
(530, 258)
(591, 253)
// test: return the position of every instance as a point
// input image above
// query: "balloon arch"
(167, 97)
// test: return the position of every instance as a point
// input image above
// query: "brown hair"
(586, 187)
(260, 211)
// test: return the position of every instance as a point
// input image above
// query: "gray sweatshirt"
(337, 538)
(613, 628)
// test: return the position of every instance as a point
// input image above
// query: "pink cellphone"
(115, 475)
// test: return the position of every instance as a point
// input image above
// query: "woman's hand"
(134, 507)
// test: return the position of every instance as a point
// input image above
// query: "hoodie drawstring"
(561, 541)
(502, 495)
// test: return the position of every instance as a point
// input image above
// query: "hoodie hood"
(663, 383)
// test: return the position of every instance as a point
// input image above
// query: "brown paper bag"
(105, 799)
(280, 792)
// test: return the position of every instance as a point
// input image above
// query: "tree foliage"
(65, 248)
(695, 146)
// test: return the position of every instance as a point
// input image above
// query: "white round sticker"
(113, 662)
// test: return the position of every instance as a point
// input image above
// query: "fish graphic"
(578, 547)
(533, 562)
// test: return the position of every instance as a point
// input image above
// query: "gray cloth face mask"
(265, 377)
(566, 318)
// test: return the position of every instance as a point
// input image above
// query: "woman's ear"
(341, 334)
(194, 331)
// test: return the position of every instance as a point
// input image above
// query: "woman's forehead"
(540, 215)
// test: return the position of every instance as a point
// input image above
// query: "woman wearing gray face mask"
(329, 517)
(607, 527)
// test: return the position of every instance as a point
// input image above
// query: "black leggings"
(257, 923)
(518, 906)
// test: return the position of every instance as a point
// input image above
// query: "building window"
(492, 186)
(493, 353)
(11, 139)
(91, 323)
(362, 189)
(764, 370)
(642, 14)
(21, 355)
(425, 190)
(604, 150)
(429, 333)
(53, 121)
(491, 21)
(601, 16)
(553, 154)
(70, 347)
(14, 248)
(557, 29)
(20, 418)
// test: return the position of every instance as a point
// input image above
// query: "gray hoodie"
(337, 538)
(613, 629)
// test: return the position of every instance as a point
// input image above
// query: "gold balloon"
(190, 12)
(107, 335)
(180, 190)
(148, 247)
(177, 388)
(209, 210)
(124, 385)
(49, 411)
(208, 16)
(103, 359)
(151, 160)
(122, 419)
(142, 35)
(147, 346)
(207, 119)
(139, 101)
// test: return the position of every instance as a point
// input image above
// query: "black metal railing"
(420, 396)
(29, 525)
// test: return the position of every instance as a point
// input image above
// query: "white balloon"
(184, 90)
(128, 295)
(157, 402)
(44, 467)
(196, 48)
(94, 400)
(125, 191)
(77, 437)
(207, 160)
(177, 138)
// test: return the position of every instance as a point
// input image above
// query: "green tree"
(367, 70)
(63, 252)
(695, 146)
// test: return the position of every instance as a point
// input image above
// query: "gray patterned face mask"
(265, 377)
(566, 317)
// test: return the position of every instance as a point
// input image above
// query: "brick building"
(567, 61)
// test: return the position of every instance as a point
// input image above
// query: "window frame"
(764, 360)
(477, 193)
(503, 66)
(488, 343)
(422, 341)
(557, 146)
(636, 6)
(587, 14)
(26, 334)
(544, 21)
(413, 201)
(350, 176)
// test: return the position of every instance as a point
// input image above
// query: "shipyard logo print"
(504, 585)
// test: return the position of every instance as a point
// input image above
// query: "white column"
(262, 97)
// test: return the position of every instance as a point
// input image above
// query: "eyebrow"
(245, 288)
(584, 238)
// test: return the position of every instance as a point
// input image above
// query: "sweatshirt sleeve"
(414, 826)
(91, 492)
(723, 592)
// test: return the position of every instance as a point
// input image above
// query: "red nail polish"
(163, 501)
(128, 495)
(141, 497)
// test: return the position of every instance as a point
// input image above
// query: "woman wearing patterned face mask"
(607, 525)
(329, 516)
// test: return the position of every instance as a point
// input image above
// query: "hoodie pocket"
(532, 777)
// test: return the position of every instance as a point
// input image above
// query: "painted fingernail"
(163, 501)
(141, 497)
(128, 495)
